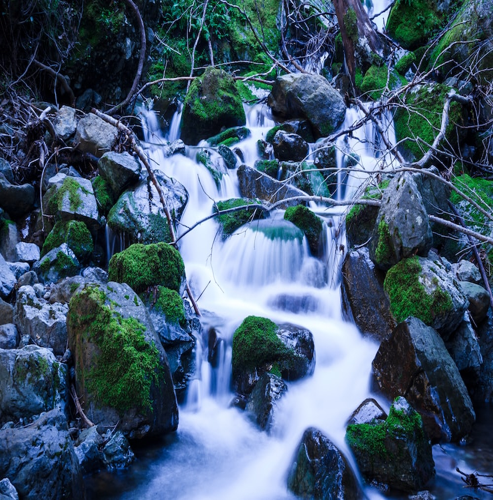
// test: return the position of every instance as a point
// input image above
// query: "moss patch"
(143, 266)
(404, 63)
(75, 234)
(351, 24)
(69, 187)
(384, 252)
(480, 190)
(104, 195)
(408, 296)
(234, 220)
(377, 79)
(236, 134)
(170, 304)
(269, 167)
(308, 222)
(127, 365)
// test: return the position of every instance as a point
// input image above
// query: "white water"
(218, 453)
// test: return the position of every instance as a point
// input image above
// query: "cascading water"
(264, 269)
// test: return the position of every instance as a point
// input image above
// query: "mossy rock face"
(232, 135)
(122, 369)
(376, 80)
(144, 266)
(412, 23)
(311, 225)
(417, 124)
(403, 65)
(360, 222)
(234, 220)
(269, 167)
(260, 346)
(57, 264)
(306, 177)
(104, 195)
(214, 163)
(75, 234)
(213, 102)
(424, 289)
(395, 452)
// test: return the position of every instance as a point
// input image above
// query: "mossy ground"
(408, 296)
(308, 222)
(144, 266)
(75, 234)
(233, 221)
(127, 365)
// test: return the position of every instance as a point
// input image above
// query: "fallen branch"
(80, 411)
(143, 158)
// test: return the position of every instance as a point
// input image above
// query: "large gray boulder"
(300, 95)
(415, 363)
(65, 122)
(7, 279)
(363, 297)
(367, 412)
(117, 453)
(464, 348)
(27, 252)
(40, 461)
(31, 381)
(45, 323)
(120, 170)
(479, 300)
(396, 451)
(255, 184)
(95, 136)
(123, 375)
(139, 214)
(402, 228)
(57, 264)
(320, 471)
(289, 147)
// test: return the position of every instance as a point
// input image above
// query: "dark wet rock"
(27, 252)
(294, 303)
(139, 213)
(367, 412)
(304, 177)
(212, 103)
(467, 271)
(320, 471)
(88, 450)
(8, 491)
(65, 122)
(262, 402)
(40, 461)
(308, 96)
(214, 163)
(57, 264)
(63, 291)
(260, 346)
(14, 199)
(117, 453)
(228, 156)
(120, 170)
(422, 495)
(9, 237)
(31, 381)
(464, 348)
(7, 278)
(402, 228)
(122, 370)
(255, 184)
(360, 222)
(363, 297)
(95, 136)
(9, 336)
(6, 170)
(6, 313)
(28, 279)
(395, 452)
(479, 300)
(311, 225)
(483, 389)
(415, 362)
(289, 147)
(426, 289)
(18, 268)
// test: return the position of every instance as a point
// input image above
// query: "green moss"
(64, 263)
(255, 343)
(204, 156)
(170, 304)
(404, 63)
(308, 222)
(126, 366)
(418, 123)
(75, 234)
(480, 190)
(275, 370)
(232, 221)
(104, 194)
(69, 187)
(235, 133)
(351, 24)
(269, 137)
(358, 78)
(143, 266)
(376, 80)
(74, 287)
(408, 296)
(269, 167)
(383, 252)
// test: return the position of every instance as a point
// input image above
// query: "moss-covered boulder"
(396, 451)
(269, 167)
(214, 163)
(234, 220)
(260, 346)
(212, 103)
(425, 289)
(57, 264)
(320, 471)
(311, 225)
(377, 79)
(120, 170)
(418, 122)
(122, 372)
(75, 234)
(414, 362)
(144, 266)
(230, 136)
(104, 195)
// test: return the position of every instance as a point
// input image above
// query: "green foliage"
(408, 296)
(104, 194)
(126, 366)
(232, 221)
(418, 123)
(170, 304)
(143, 266)
(75, 234)
(256, 343)
(308, 222)
(351, 24)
